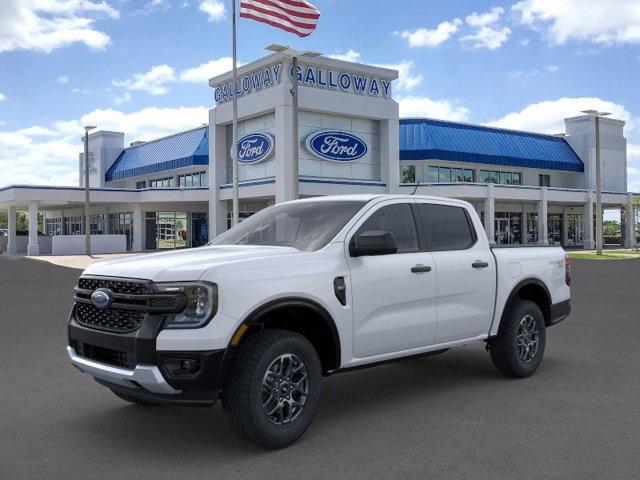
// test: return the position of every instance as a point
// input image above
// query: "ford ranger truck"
(305, 289)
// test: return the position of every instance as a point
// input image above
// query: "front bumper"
(131, 363)
(148, 377)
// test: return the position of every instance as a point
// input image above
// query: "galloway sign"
(336, 146)
(255, 147)
(260, 80)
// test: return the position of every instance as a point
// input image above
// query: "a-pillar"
(629, 223)
(33, 248)
(12, 246)
(490, 214)
(543, 234)
(138, 228)
(588, 241)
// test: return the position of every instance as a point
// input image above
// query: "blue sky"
(142, 66)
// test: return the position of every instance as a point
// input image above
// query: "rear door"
(394, 295)
(465, 271)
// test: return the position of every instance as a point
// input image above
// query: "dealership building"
(176, 191)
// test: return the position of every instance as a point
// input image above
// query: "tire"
(509, 350)
(258, 411)
(134, 400)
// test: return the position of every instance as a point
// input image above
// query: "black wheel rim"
(285, 388)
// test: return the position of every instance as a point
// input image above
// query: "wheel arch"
(535, 290)
(298, 314)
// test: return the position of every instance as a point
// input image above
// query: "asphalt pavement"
(448, 416)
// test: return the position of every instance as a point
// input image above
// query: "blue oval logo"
(255, 147)
(101, 298)
(336, 146)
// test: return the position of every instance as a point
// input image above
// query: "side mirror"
(372, 242)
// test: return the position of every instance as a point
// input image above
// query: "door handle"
(479, 264)
(420, 268)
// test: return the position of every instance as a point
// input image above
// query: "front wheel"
(272, 391)
(518, 348)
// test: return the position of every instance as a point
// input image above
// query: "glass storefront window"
(504, 178)
(169, 230)
(408, 174)
(554, 228)
(432, 174)
(508, 228)
(444, 174)
(532, 228)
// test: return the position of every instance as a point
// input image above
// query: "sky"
(142, 66)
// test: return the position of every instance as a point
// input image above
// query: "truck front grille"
(131, 301)
(117, 358)
(111, 319)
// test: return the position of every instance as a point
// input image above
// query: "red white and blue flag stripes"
(294, 16)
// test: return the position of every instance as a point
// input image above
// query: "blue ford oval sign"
(336, 146)
(255, 147)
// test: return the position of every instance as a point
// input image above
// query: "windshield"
(307, 226)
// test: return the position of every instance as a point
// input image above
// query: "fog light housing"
(181, 367)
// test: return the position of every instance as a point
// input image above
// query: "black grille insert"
(111, 319)
(131, 287)
(116, 358)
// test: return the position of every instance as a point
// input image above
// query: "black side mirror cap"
(372, 242)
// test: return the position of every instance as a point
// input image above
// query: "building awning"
(176, 151)
(427, 139)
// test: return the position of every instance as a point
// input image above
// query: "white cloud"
(525, 42)
(63, 79)
(552, 68)
(414, 106)
(2, 96)
(483, 19)
(529, 74)
(407, 78)
(48, 155)
(203, 72)
(45, 25)
(349, 56)
(633, 167)
(120, 99)
(154, 81)
(595, 21)
(214, 9)
(487, 37)
(423, 37)
(548, 116)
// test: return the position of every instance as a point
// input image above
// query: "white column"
(588, 240)
(284, 156)
(390, 151)
(33, 248)
(543, 235)
(138, 228)
(489, 215)
(629, 223)
(12, 247)
(219, 157)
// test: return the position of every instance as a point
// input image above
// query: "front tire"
(272, 391)
(518, 348)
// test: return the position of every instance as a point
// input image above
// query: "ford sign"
(255, 147)
(336, 146)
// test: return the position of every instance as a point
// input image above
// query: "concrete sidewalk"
(71, 261)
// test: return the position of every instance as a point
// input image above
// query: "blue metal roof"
(180, 150)
(425, 139)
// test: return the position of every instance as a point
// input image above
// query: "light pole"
(294, 55)
(596, 114)
(87, 218)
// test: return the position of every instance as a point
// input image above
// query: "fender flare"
(278, 303)
(523, 283)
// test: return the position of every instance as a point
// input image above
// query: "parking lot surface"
(448, 416)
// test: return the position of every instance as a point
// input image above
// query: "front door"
(394, 295)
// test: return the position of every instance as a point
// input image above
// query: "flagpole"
(234, 149)
(295, 193)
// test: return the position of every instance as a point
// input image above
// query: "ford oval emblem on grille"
(102, 298)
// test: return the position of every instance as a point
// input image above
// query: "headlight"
(202, 304)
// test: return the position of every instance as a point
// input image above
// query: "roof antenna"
(416, 189)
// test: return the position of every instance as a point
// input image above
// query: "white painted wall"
(74, 244)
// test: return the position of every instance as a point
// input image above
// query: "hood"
(182, 265)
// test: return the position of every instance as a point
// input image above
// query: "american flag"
(295, 16)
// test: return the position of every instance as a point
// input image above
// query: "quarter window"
(447, 227)
(398, 220)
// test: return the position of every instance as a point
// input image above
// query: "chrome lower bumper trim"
(148, 377)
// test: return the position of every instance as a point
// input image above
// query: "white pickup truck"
(305, 289)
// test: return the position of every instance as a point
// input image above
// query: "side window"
(398, 220)
(448, 228)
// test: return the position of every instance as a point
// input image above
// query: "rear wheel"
(134, 400)
(518, 348)
(273, 389)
